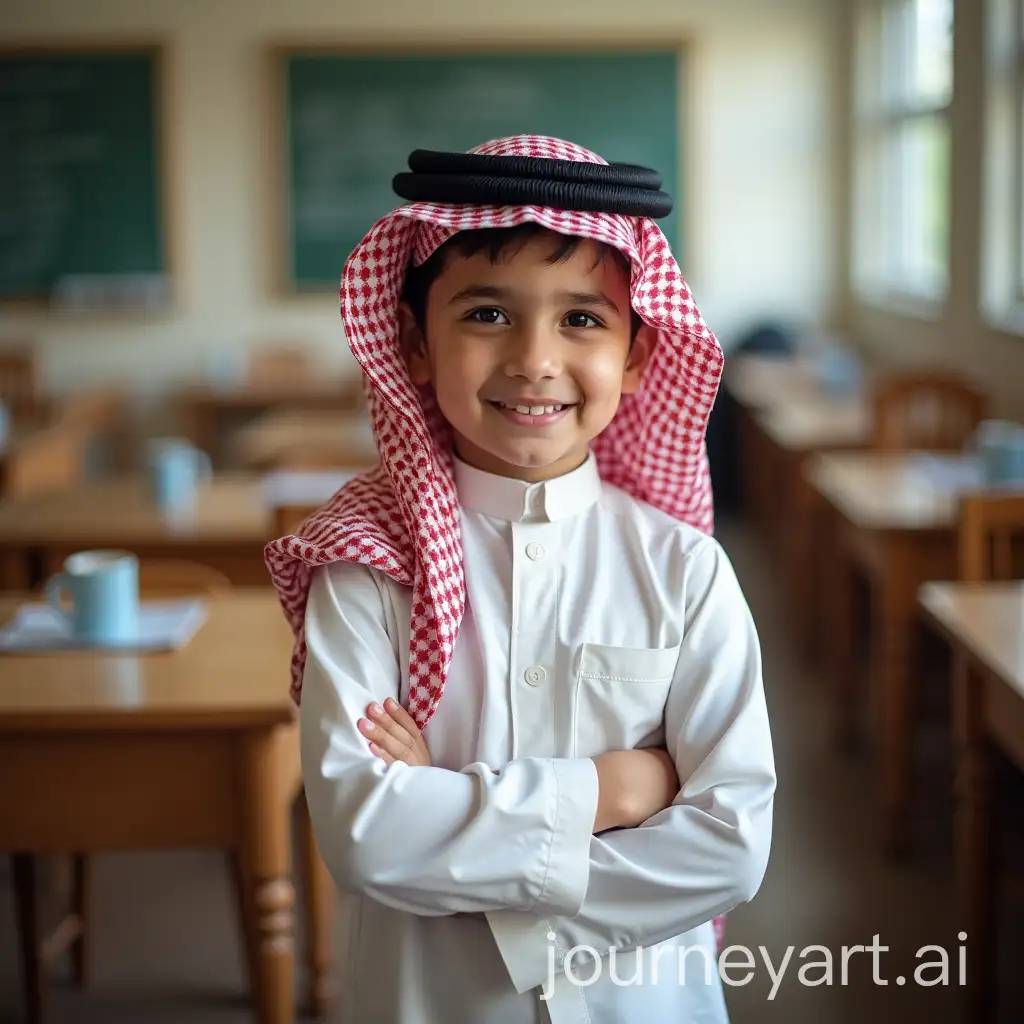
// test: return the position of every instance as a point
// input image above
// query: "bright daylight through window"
(904, 57)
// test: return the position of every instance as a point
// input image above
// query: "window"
(1002, 284)
(904, 55)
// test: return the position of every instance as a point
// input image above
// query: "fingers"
(402, 718)
(391, 739)
(381, 753)
(384, 718)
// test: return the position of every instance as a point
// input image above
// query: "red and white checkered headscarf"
(403, 516)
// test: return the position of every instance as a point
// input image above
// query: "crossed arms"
(527, 844)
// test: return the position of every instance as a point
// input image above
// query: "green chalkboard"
(351, 120)
(79, 172)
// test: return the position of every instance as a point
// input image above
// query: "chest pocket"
(619, 697)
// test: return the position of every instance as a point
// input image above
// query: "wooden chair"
(990, 549)
(157, 578)
(926, 410)
(989, 526)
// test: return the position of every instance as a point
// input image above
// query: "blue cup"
(103, 590)
(1000, 445)
(176, 470)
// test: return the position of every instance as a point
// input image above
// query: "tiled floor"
(167, 953)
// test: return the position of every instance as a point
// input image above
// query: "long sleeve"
(708, 852)
(426, 840)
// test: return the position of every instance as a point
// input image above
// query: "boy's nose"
(534, 355)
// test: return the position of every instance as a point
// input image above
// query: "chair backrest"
(180, 578)
(991, 539)
(926, 410)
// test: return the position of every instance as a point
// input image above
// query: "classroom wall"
(761, 200)
(956, 334)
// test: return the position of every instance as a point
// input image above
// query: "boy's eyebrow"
(481, 291)
(588, 299)
(493, 291)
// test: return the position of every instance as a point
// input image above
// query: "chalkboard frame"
(275, 159)
(160, 52)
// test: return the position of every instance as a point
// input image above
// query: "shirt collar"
(503, 497)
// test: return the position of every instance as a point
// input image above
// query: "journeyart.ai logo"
(811, 966)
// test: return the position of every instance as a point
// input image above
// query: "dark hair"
(495, 241)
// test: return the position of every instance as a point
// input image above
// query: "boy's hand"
(393, 735)
(633, 785)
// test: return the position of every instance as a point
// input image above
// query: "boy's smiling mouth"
(532, 413)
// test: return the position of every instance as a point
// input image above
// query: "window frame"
(1001, 287)
(884, 105)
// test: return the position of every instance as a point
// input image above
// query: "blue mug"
(1000, 445)
(103, 588)
(177, 469)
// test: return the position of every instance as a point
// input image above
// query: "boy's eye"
(485, 315)
(579, 319)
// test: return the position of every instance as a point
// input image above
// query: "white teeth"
(533, 410)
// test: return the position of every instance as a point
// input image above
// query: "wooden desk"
(784, 410)
(791, 515)
(232, 521)
(196, 748)
(290, 436)
(984, 623)
(889, 522)
(818, 423)
(208, 408)
(763, 381)
(784, 415)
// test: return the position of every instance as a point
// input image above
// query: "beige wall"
(956, 335)
(759, 165)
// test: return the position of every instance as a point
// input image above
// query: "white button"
(535, 551)
(536, 674)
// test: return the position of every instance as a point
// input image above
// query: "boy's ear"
(639, 356)
(414, 346)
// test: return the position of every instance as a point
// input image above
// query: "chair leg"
(246, 920)
(81, 907)
(319, 913)
(27, 911)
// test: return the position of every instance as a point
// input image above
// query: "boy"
(581, 777)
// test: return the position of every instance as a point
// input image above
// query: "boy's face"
(552, 339)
